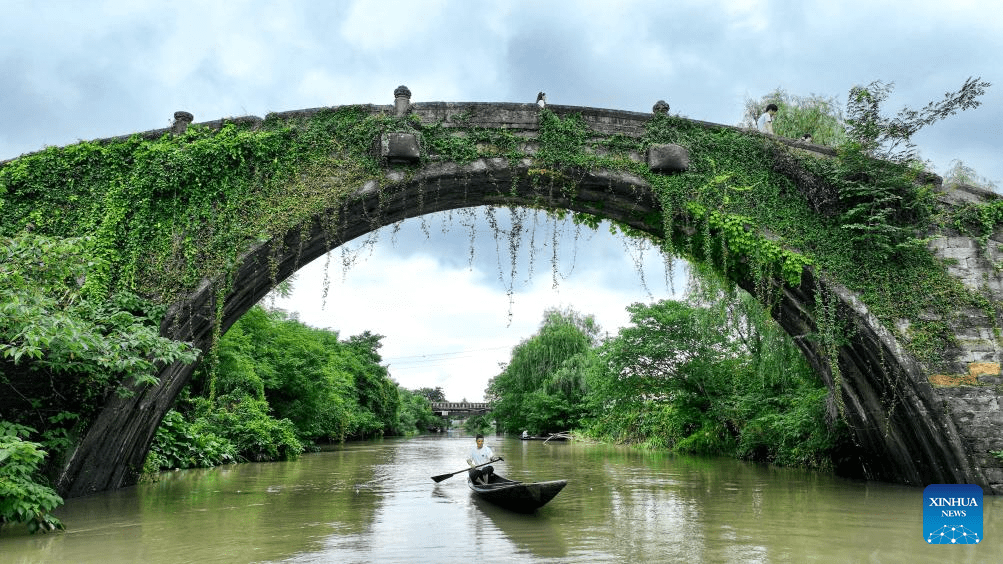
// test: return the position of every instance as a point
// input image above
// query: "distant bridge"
(459, 408)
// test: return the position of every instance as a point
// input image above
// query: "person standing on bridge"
(765, 121)
(479, 455)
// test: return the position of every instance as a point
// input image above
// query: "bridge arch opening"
(444, 292)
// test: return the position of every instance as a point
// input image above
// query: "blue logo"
(952, 514)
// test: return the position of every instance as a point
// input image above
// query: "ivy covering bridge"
(176, 233)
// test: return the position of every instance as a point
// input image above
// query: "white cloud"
(390, 25)
(747, 15)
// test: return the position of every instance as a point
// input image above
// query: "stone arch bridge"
(907, 430)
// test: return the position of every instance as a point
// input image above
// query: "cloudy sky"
(79, 70)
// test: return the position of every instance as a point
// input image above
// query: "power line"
(395, 369)
(431, 356)
(434, 360)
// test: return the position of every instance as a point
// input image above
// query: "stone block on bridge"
(668, 158)
(398, 147)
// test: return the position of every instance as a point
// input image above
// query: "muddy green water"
(376, 502)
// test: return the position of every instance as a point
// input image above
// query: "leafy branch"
(881, 136)
(886, 202)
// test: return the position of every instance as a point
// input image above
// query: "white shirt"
(767, 122)
(481, 455)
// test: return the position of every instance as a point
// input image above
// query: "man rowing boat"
(480, 455)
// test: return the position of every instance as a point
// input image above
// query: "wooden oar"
(442, 477)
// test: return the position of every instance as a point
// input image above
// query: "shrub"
(22, 498)
(178, 445)
(257, 436)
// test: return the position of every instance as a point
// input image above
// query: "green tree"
(713, 375)
(376, 393)
(959, 173)
(543, 386)
(560, 404)
(884, 204)
(890, 137)
(331, 390)
(302, 381)
(70, 342)
(664, 377)
(249, 425)
(63, 351)
(180, 444)
(415, 413)
(777, 403)
(278, 385)
(815, 115)
(479, 424)
(432, 394)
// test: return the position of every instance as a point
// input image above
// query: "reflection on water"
(376, 502)
(535, 534)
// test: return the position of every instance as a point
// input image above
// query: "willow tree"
(543, 387)
(815, 115)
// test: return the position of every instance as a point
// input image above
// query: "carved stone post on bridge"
(398, 146)
(181, 121)
(402, 101)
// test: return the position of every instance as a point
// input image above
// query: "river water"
(376, 502)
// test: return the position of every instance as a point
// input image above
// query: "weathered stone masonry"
(971, 393)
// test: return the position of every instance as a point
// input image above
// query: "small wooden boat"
(543, 438)
(517, 496)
